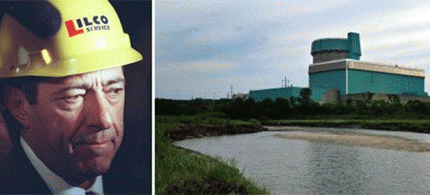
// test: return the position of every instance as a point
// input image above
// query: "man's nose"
(99, 114)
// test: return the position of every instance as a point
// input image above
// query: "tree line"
(295, 108)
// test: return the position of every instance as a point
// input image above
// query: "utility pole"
(285, 80)
(231, 92)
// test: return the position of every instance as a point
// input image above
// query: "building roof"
(368, 66)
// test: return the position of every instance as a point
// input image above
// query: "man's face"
(77, 124)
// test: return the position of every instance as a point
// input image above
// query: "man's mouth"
(95, 139)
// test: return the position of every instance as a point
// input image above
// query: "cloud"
(204, 47)
(291, 8)
(189, 67)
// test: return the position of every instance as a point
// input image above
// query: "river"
(289, 166)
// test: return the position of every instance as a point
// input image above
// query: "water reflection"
(288, 166)
(335, 170)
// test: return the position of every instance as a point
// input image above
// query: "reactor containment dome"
(335, 49)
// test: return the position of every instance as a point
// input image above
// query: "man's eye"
(71, 102)
(72, 98)
(114, 92)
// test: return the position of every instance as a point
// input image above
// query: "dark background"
(135, 152)
(132, 164)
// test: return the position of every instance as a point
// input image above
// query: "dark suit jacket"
(18, 176)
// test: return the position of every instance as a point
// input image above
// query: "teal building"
(351, 77)
(337, 66)
(286, 93)
(337, 72)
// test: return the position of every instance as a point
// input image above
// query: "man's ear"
(18, 106)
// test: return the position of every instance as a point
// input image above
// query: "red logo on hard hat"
(97, 23)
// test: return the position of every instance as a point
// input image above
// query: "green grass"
(412, 125)
(212, 118)
(178, 171)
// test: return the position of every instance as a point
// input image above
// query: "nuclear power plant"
(337, 74)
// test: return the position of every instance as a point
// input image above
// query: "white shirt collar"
(55, 183)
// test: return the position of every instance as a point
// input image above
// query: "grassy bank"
(204, 130)
(178, 171)
(411, 125)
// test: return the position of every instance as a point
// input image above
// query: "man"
(63, 85)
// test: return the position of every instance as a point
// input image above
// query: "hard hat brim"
(90, 62)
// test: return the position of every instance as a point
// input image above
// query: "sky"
(203, 48)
